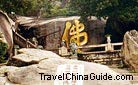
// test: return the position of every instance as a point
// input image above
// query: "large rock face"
(6, 26)
(96, 32)
(30, 75)
(51, 64)
(130, 49)
(50, 32)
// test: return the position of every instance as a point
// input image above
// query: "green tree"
(126, 10)
(23, 7)
(122, 14)
(45, 8)
(59, 8)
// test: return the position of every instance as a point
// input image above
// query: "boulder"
(96, 32)
(31, 75)
(3, 75)
(2, 80)
(130, 49)
(31, 56)
(50, 69)
(5, 69)
(38, 53)
(5, 81)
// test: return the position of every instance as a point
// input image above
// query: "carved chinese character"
(75, 33)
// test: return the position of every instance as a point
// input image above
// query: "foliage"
(43, 8)
(125, 10)
(21, 7)
(108, 35)
(121, 15)
(55, 10)
(59, 8)
(3, 48)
